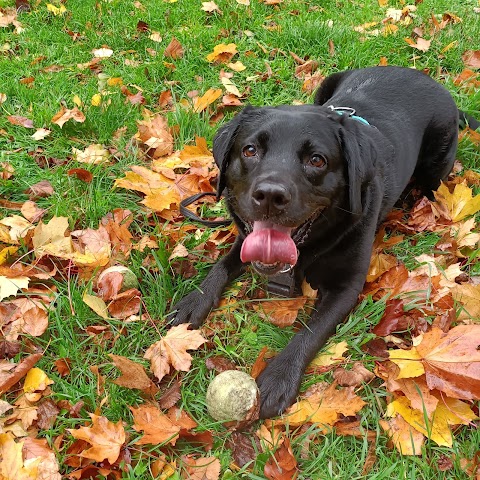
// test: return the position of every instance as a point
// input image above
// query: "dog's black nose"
(270, 197)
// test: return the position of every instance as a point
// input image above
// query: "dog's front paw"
(192, 309)
(279, 384)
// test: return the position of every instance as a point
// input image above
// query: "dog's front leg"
(195, 307)
(280, 381)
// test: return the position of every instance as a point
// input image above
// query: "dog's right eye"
(249, 151)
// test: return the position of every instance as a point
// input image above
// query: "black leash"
(192, 216)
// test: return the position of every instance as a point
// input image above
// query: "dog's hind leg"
(436, 158)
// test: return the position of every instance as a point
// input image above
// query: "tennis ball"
(232, 395)
(129, 278)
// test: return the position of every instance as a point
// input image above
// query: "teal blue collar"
(350, 112)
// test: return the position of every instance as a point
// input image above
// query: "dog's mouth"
(272, 248)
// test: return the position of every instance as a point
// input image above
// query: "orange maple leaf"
(105, 437)
(156, 426)
(171, 350)
(281, 313)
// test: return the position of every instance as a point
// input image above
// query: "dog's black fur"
(337, 205)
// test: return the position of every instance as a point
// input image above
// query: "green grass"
(303, 27)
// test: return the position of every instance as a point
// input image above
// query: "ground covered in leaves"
(108, 109)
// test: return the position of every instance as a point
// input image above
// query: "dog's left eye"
(317, 160)
(249, 151)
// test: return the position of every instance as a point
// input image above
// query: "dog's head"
(283, 168)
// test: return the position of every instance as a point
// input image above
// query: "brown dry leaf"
(282, 465)
(93, 155)
(461, 203)
(222, 53)
(11, 373)
(105, 437)
(201, 103)
(125, 304)
(324, 407)
(155, 425)
(31, 211)
(171, 350)
(41, 133)
(201, 468)
(64, 115)
(379, 264)
(81, 174)
(40, 189)
(133, 374)
(174, 49)
(312, 82)
(354, 377)
(469, 296)
(421, 44)
(281, 313)
(22, 121)
(154, 136)
(406, 439)
(471, 58)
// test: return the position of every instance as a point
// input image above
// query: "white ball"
(231, 396)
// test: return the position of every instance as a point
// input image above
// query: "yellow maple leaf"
(324, 407)
(12, 466)
(409, 362)
(201, 103)
(96, 100)
(333, 354)
(36, 379)
(461, 203)
(171, 350)
(222, 53)
(6, 253)
(406, 439)
(449, 411)
(56, 10)
(105, 437)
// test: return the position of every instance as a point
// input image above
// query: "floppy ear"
(223, 143)
(359, 155)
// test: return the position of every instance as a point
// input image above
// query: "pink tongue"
(269, 245)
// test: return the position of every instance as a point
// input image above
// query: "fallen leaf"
(461, 203)
(282, 465)
(12, 466)
(449, 411)
(31, 211)
(96, 304)
(281, 313)
(471, 58)
(22, 121)
(81, 174)
(323, 408)
(174, 49)
(331, 354)
(201, 468)
(406, 439)
(222, 53)
(420, 44)
(103, 52)
(171, 350)
(64, 115)
(133, 374)
(201, 103)
(56, 10)
(354, 377)
(41, 133)
(469, 296)
(93, 155)
(105, 437)
(11, 286)
(36, 380)
(16, 372)
(157, 428)
(210, 7)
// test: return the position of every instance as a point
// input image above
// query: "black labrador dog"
(308, 186)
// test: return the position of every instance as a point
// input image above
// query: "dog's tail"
(466, 120)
